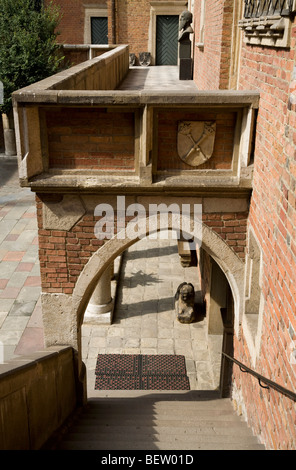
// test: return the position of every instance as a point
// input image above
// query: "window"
(268, 22)
(99, 30)
(95, 25)
(257, 8)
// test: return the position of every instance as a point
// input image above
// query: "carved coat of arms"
(196, 141)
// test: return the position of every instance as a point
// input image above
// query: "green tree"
(28, 48)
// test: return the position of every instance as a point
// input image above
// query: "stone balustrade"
(37, 394)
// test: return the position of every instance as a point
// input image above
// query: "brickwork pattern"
(168, 158)
(63, 254)
(132, 24)
(272, 214)
(212, 61)
(273, 219)
(90, 139)
(71, 26)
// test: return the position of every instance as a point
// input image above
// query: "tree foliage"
(28, 47)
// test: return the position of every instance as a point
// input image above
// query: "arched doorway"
(212, 244)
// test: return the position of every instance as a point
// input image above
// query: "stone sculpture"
(184, 302)
(132, 60)
(145, 59)
(196, 141)
(185, 25)
(185, 71)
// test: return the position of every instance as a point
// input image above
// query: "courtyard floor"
(144, 320)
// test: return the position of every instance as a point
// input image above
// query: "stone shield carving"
(196, 141)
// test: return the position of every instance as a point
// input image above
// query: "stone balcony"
(103, 125)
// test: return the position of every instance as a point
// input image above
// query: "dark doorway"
(99, 30)
(227, 314)
(167, 27)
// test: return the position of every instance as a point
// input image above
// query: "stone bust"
(185, 25)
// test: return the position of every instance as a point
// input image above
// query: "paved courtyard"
(144, 318)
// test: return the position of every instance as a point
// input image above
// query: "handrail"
(268, 382)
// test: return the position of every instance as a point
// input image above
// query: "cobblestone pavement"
(20, 313)
(144, 318)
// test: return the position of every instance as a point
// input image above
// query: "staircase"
(194, 420)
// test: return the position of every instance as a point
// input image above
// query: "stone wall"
(37, 394)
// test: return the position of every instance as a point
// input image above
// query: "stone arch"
(226, 258)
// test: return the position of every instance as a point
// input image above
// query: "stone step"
(144, 445)
(163, 429)
(150, 423)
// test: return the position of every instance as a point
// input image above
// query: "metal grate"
(258, 8)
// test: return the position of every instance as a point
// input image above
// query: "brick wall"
(272, 216)
(212, 61)
(132, 24)
(168, 158)
(64, 253)
(90, 139)
(273, 219)
(71, 26)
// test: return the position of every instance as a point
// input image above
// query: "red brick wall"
(132, 24)
(90, 139)
(212, 62)
(63, 254)
(273, 219)
(168, 158)
(272, 215)
(71, 26)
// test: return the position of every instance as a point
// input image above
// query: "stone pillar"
(100, 308)
(9, 135)
(188, 256)
(186, 64)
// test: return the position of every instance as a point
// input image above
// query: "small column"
(187, 253)
(9, 135)
(100, 308)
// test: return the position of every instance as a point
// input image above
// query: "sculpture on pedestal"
(185, 72)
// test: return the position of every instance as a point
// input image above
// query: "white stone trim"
(92, 11)
(161, 8)
(274, 31)
(252, 323)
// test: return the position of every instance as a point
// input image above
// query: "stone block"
(185, 72)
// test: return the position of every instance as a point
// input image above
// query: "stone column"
(100, 308)
(9, 135)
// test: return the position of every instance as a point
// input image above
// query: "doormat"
(141, 372)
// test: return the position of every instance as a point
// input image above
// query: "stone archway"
(231, 265)
(63, 313)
